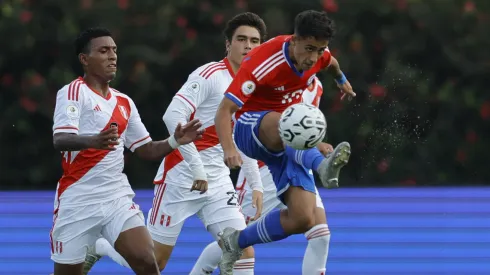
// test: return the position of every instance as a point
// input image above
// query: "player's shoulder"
(72, 91)
(210, 71)
(318, 82)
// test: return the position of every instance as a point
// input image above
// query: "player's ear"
(293, 40)
(83, 59)
(227, 45)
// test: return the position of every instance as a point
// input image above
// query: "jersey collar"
(228, 66)
(285, 52)
(106, 98)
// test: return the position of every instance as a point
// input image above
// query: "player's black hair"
(82, 43)
(314, 24)
(245, 19)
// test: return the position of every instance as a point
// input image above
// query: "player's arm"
(180, 112)
(251, 171)
(192, 94)
(138, 139)
(66, 119)
(224, 127)
(156, 150)
(333, 68)
(240, 89)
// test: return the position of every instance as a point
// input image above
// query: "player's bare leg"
(136, 246)
(162, 254)
(66, 269)
(328, 168)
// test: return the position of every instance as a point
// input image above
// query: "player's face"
(243, 41)
(102, 59)
(307, 51)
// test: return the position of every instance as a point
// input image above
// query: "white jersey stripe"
(264, 68)
(271, 68)
(267, 61)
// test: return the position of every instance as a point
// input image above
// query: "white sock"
(104, 248)
(316, 253)
(244, 267)
(208, 261)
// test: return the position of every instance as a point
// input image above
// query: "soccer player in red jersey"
(271, 78)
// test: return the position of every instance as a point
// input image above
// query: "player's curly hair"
(315, 24)
(245, 19)
(82, 43)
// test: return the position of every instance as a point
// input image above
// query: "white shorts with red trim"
(77, 228)
(173, 204)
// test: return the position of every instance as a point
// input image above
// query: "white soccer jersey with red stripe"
(201, 95)
(92, 176)
(311, 95)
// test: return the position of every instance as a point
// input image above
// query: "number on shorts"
(233, 200)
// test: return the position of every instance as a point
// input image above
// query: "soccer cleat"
(90, 259)
(329, 168)
(231, 250)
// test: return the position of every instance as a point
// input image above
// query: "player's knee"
(304, 222)
(248, 253)
(144, 260)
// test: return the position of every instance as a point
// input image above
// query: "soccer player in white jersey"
(194, 179)
(316, 254)
(92, 125)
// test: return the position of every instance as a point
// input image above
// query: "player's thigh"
(269, 131)
(246, 136)
(222, 208)
(74, 230)
(172, 205)
(301, 205)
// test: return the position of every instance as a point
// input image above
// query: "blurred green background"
(419, 69)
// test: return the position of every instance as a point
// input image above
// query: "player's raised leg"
(327, 167)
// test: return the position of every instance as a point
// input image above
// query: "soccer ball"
(302, 126)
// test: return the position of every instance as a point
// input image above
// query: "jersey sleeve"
(195, 91)
(242, 87)
(67, 111)
(136, 133)
(179, 112)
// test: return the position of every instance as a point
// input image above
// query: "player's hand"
(200, 185)
(325, 148)
(105, 140)
(233, 159)
(346, 90)
(189, 132)
(257, 202)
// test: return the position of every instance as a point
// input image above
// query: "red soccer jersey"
(267, 79)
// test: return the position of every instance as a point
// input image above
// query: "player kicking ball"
(318, 237)
(271, 78)
(92, 125)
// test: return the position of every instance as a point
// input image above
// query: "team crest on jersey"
(310, 80)
(72, 112)
(193, 87)
(124, 112)
(248, 87)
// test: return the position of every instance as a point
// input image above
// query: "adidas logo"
(279, 88)
(97, 108)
